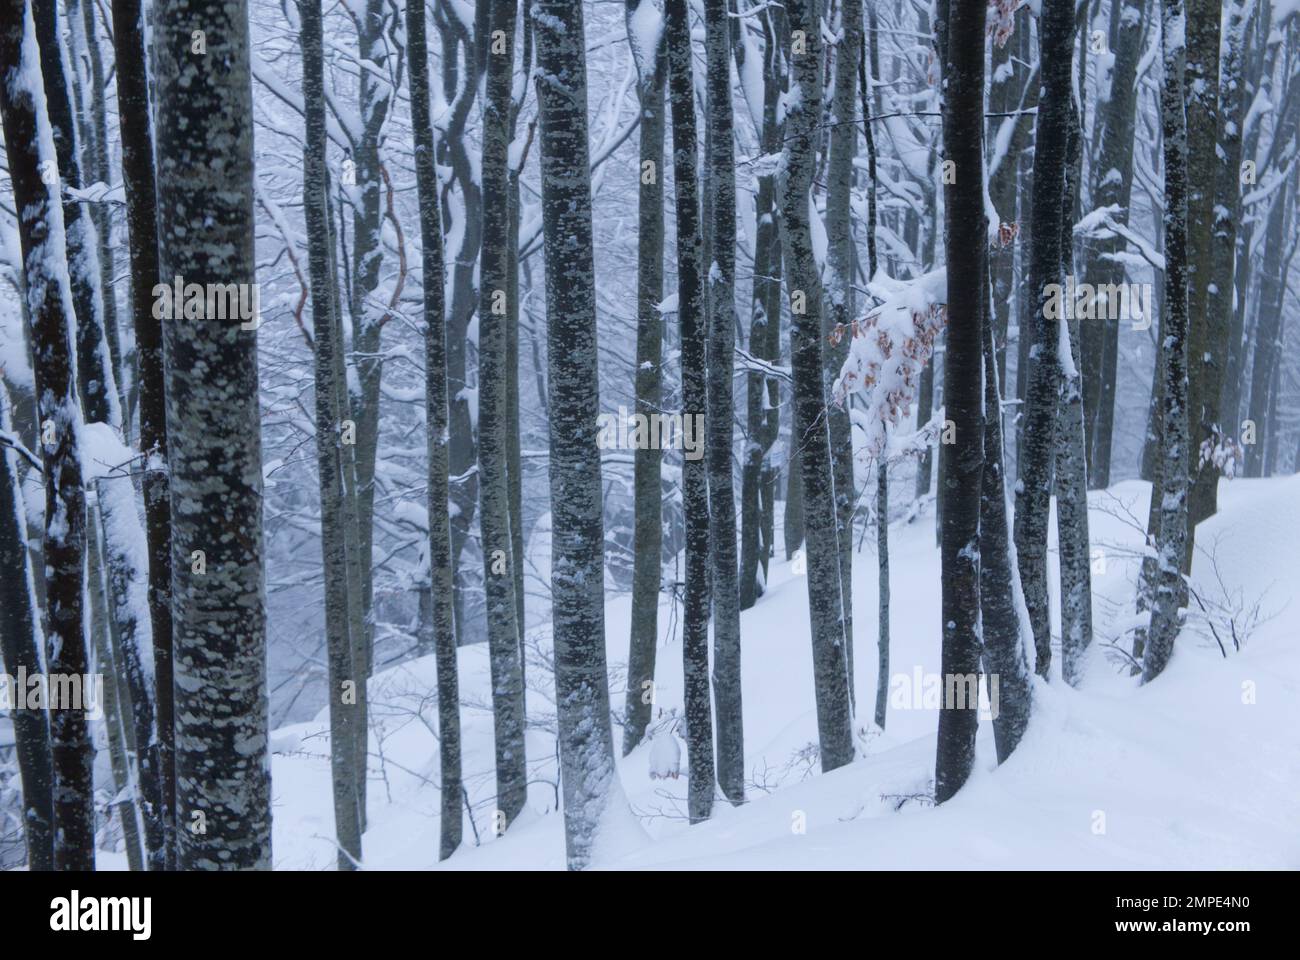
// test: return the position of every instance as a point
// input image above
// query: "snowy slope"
(1200, 769)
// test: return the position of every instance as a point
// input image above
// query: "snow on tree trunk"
(435, 363)
(33, 169)
(577, 525)
(695, 496)
(1004, 622)
(721, 162)
(762, 394)
(644, 18)
(810, 435)
(965, 230)
(1171, 538)
(206, 231)
(20, 651)
(141, 218)
(1034, 488)
(1071, 467)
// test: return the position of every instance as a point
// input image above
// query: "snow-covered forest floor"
(1197, 770)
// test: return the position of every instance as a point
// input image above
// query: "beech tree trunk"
(809, 435)
(206, 231)
(30, 150)
(577, 526)
(436, 431)
(695, 496)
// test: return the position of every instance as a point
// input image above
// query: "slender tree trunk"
(1006, 649)
(206, 230)
(113, 692)
(647, 534)
(809, 435)
(1172, 537)
(762, 394)
(965, 230)
(1071, 468)
(494, 504)
(842, 264)
(436, 428)
(577, 544)
(343, 675)
(1207, 333)
(1034, 490)
(695, 506)
(721, 406)
(28, 146)
(1268, 329)
(1112, 184)
(20, 651)
(94, 365)
(141, 220)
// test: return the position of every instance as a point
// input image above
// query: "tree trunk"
(809, 435)
(141, 219)
(436, 413)
(494, 505)
(1207, 333)
(1172, 536)
(577, 527)
(30, 152)
(206, 230)
(695, 497)
(1112, 184)
(763, 394)
(647, 534)
(965, 230)
(20, 651)
(721, 161)
(1006, 648)
(343, 673)
(1034, 489)
(842, 265)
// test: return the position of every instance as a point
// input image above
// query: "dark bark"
(95, 383)
(1005, 655)
(49, 310)
(343, 675)
(577, 528)
(762, 394)
(141, 219)
(1112, 184)
(810, 436)
(647, 534)
(1171, 538)
(1207, 333)
(960, 474)
(20, 624)
(1071, 467)
(695, 506)
(721, 162)
(436, 413)
(842, 266)
(1034, 489)
(494, 505)
(206, 231)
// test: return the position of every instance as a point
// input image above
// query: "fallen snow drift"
(1201, 769)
